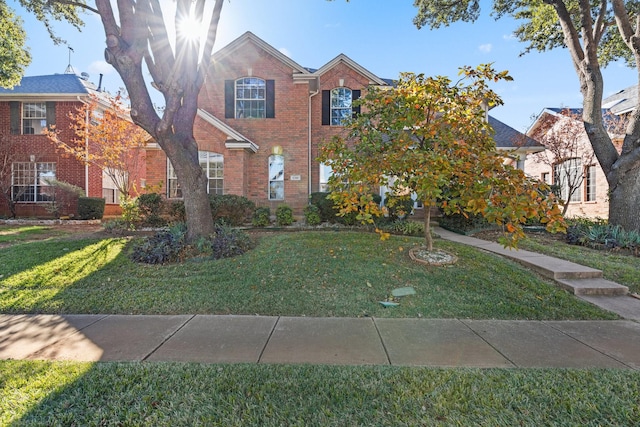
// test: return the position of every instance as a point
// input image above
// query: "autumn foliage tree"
(106, 138)
(431, 137)
(594, 33)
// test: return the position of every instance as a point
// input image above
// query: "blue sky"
(378, 36)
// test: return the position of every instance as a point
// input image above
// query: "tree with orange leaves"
(106, 138)
(431, 137)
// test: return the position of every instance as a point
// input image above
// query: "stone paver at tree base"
(350, 341)
(342, 341)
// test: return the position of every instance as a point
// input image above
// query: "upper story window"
(337, 105)
(249, 98)
(31, 118)
(213, 166)
(341, 98)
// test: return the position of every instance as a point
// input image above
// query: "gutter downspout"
(86, 149)
(311, 95)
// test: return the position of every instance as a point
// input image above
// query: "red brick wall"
(67, 169)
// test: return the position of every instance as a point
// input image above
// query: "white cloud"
(285, 51)
(100, 67)
(485, 48)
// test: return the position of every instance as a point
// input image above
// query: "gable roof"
(342, 58)
(249, 37)
(622, 102)
(507, 138)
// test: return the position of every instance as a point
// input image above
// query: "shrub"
(117, 226)
(402, 226)
(130, 211)
(232, 209)
(312, 215)
(261, 217)
(90, 207)
(399, 206)
(163, 247)
(284, 215)
(598, 234)
(176, 212)
(229, 242)
(325, 205)
(463, 224)
(150, 208)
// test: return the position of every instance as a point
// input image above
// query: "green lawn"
(13, 234)
(290, 274)
(161, 394)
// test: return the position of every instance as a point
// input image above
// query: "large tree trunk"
(193, 183)
(624, 201)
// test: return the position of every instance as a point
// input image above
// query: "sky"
(378, 36)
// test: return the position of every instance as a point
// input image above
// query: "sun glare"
(190, 28)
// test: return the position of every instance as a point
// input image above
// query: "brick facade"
(296, 129)
(64, 93)
(537, 165)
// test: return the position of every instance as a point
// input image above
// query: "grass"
(291, 274)
(11, 234)
(617, 267)
(36, 393)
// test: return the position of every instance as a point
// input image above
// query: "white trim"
(342, 58)
(235, 139)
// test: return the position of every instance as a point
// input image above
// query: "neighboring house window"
(568, 177)
(590, 183)
(110, 191)
(544, 177)
(29, 181)
(213, 166)
(31, 118)
(337, 105)
(276, 177)
(249, 97)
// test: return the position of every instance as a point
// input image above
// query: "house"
(29, 159)
(262, 117)
(569, 163)
(259, 125)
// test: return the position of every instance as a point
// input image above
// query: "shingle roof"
(623, 101)
(68, 84)
(507, 137)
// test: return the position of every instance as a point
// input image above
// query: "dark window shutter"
(14, 108)
(270, 107)
(355, 95)
(326, 107)
(229, 99)
(51, 114)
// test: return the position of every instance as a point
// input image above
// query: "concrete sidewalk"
(350, 341)
(342, 341)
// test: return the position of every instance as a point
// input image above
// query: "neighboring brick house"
(262, 117)
(580, 167)
(36, 103)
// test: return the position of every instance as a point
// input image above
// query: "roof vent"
(84, 75)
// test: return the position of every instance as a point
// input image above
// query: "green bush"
(150, 208)
(229, 242)
(312, 215)
(231, 209)
(130, 211)
(325, 205)
(164, 247)
(399, 206)
(176, 212)
(90, 207)
(261, 217)
(403, 226)
(461, 224)
(284, 215)
(599, 234)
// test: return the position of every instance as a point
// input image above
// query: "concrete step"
(555, 268)
(592, 286)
